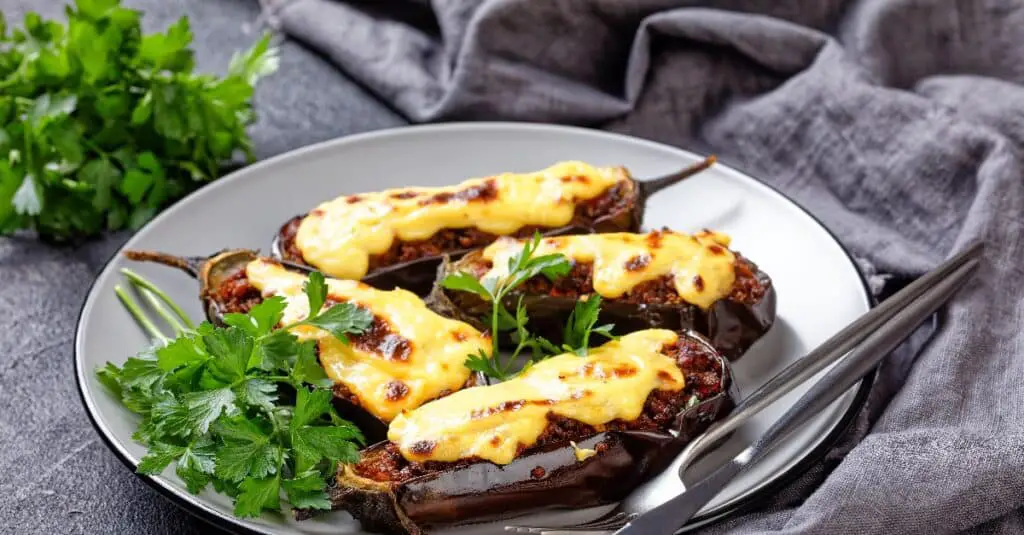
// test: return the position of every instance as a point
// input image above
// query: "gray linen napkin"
(899, 123)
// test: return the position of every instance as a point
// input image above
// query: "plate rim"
(193, 504)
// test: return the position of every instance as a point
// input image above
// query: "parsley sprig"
(102, 125)
(522, 267)
(246, 407)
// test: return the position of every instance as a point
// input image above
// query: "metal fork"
(884, 327)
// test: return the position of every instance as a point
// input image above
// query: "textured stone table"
(56, 475)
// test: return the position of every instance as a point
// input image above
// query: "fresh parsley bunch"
(522, 267)
(246, 408)
(101, 126)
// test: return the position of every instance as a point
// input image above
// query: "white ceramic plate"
(819, 288)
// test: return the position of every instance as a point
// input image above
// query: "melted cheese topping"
(582, 454)
(418, 357)
(339, 236)
(701, 265)
(491, 422)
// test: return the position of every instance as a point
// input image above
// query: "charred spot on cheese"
(459, 336)
(591, 369)
(380, 339)
(403, 360)
(488, 191)
(654, 239)
(617, 377)
(638, 262)
(397, 390)
(423, 447)
(341, 237)
(622, 261)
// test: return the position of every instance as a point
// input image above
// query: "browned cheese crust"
(614, 200)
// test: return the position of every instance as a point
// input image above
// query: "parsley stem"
(176, 326)
(139, 280)
(139, 315)
(494, 333)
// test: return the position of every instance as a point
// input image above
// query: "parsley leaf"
(182, 351)
(110, 377)
(483, 363)
(259, 393)
(261, 319)
(206, 406)
(170, 417)
(248, 450)
(258, 494)
(306, 491)
(279, 349)
(231, 350)
(316, 292)
(196, 465)
(307, 369)
(580, 326)
(342, 319)
(464, 282)
(160, 455)
(309, 405)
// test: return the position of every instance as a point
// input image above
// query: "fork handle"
(821, 357)
(666, 518)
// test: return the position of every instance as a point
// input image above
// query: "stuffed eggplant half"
(661, 279)
(396, 238)
(408, 356)
(569, 431)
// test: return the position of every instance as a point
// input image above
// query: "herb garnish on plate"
(247, 407)
(522, 267)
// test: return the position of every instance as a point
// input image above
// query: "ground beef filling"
(611, 202)
(236, 294)
(747, 289)
(700, 365)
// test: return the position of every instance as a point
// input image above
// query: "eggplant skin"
(548, 478)
(732, 327)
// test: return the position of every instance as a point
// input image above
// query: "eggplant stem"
(142, 282)
(190, 265)
(139, 315)
(654, 185)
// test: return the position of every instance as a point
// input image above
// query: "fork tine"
(615, 521)
(564, 531)
(612, 520)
